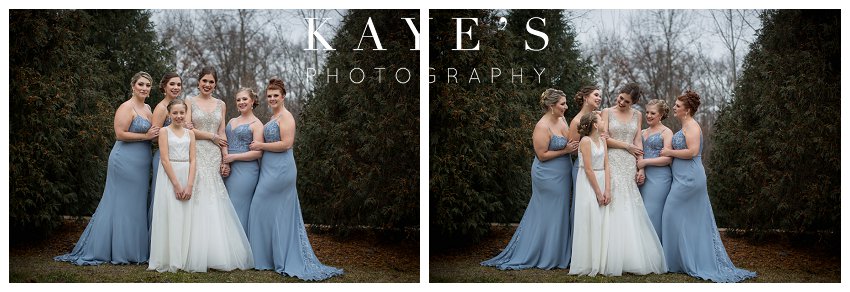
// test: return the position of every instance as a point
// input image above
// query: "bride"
(633, 245)
(217, 239)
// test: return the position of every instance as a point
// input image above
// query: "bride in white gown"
(217, 240)
(633, 245)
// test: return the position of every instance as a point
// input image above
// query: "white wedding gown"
(217, 239)
(633, 245)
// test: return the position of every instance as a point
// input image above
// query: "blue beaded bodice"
(271, 132)
(239, 138)
(139, 125)
(557, 142)
(652, 146)
(680, 143)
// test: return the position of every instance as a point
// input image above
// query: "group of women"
(634, 201)
(223, 194)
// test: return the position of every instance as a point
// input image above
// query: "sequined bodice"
(557, 142)
(680, 143)
(167, 122)
(652, 145)
(620, 131)
(597, 156)
(178, 147)
(208, 154)
(239, 138)
(139, 125)
(271, 131)
(204, 121)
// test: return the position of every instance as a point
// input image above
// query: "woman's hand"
(152, 134)
(225, 170)
(572, 146)
(187, 192)
(227, 158)
(666, 152)
(640, 177)
(634, 150)
(221, 142)
(256, 146)
(178, 191)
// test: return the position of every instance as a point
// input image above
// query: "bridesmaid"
(171, 85)
(542, 239)
(277, 233)
(118, 230)
(690, 239)
(244, 166)
(589, 98)
(657, 176)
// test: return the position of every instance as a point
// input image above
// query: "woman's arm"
(250, 155)
(286, 123)
(540, 140)
(190, 183)
(121, 123)
(692, 133)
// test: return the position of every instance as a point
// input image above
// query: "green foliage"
(776, 161)
(357, 146)
(65, 82)
(480, 132)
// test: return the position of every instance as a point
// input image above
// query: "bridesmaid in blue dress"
(171, 85)
(118, 230)
(589, 98)
(543, 238)
(243, 162)
(690, 238)
(276, 227)
(656, 168)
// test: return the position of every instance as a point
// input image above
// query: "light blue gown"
(690, 238)
(118, 230)
(543, 238)
(277, 235)
(243, 174)
(657, 184)
(155, 169)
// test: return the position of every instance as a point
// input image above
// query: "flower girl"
(593, 193)
(172, 211)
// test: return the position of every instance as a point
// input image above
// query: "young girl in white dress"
(593, 193)
(172, 211)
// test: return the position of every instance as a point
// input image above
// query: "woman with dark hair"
(276, 226)
(217, 239)
(689, 234)
(118, 230)
(171, 85)
(632, 244)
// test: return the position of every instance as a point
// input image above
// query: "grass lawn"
(363, 257)
(777, 261)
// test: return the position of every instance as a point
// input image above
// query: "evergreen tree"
(776, 161)
(481, 124)
(64, 88)
(358, 142)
